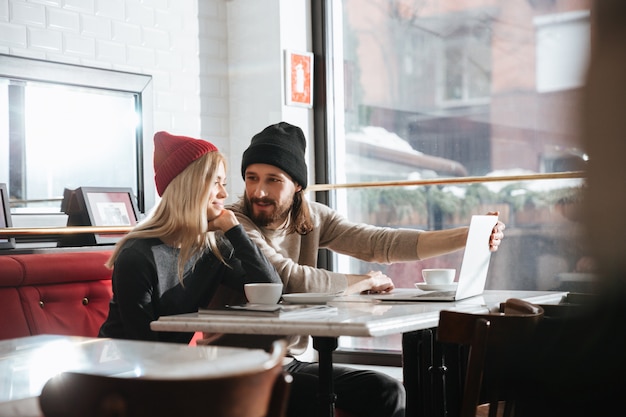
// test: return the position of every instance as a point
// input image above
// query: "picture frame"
(99, 206)
(299, 78)
(5, 218)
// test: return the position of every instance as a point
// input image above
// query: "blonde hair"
(180, 218)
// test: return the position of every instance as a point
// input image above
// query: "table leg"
(417, 362)
(439, 377)
(431, 375)
(325, 347)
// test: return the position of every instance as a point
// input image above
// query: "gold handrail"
(69, 230)
(39, 231)
(444, 181)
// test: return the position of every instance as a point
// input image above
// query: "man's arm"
(440, 242)
(295, 277)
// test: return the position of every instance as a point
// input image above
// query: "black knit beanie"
(281, 145)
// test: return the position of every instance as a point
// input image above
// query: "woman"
(173, 262)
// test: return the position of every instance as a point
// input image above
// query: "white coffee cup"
(263, 292)
(439, 276)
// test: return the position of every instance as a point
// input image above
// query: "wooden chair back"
(260, 393)
(493, 341)
(576, 343)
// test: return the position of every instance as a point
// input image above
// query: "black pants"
(361, 392)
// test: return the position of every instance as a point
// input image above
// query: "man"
(290, 230)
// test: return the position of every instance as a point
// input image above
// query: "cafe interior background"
(419, 112)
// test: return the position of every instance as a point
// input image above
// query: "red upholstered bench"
(56, 293)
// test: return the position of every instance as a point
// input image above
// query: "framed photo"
(299, 78)
(100, 206)
(5, 218)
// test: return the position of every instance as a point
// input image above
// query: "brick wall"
(157, 37)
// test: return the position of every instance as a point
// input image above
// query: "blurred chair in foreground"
(493, 343)
(579, 363)
(259, 393)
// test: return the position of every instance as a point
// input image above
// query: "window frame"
(21, 69)
(329, 121)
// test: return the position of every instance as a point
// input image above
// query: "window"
(562, 50)
(472, 91)
(466, 65)
(64, 126)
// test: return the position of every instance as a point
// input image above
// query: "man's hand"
(497, 234)
(372, 282)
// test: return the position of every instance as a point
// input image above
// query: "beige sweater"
(295, 256)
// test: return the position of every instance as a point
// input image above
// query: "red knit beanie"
(172, 154)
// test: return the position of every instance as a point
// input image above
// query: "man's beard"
(264, 219)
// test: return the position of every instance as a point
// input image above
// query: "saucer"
(308, 298)
(444, 287)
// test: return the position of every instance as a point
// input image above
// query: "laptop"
(473, 272)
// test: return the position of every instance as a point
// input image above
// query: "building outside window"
(479, 90)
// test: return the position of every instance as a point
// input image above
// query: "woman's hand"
(224, 222)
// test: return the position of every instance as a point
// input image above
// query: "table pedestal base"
(325, 346)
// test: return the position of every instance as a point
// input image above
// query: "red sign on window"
(299, 78)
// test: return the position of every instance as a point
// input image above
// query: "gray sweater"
(146, 285)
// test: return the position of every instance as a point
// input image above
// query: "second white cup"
(439, 276)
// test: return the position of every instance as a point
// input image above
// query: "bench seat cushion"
(55, 293)
(76, 309)
(12, 320)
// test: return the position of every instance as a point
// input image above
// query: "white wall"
(216, 64)
(155, 37)
(258, 33)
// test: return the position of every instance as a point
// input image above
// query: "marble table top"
(27, 363)
(359, 316)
